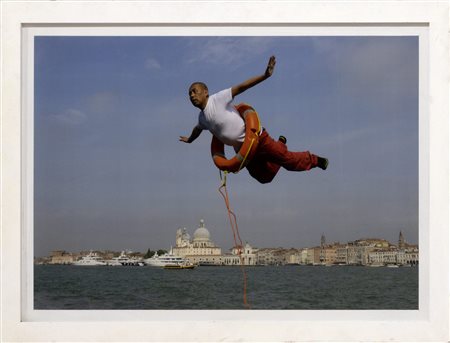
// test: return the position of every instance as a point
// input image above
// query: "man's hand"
(242, 87)
(196, 131)
(270, 66)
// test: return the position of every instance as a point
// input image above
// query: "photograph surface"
(127, 206)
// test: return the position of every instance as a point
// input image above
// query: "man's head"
(198, 94)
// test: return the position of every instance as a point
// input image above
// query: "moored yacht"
(125, 260)
(165, 259)
(91, 259)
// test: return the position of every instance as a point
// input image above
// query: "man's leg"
(271, 155)
(262, 170)
(278, 153)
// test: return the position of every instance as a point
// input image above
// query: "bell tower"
(178, 238)
(401, 241)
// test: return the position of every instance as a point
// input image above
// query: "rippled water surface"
(289, 287)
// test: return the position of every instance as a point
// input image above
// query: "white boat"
(91, 259)
(165, 259)
(125, 260)
(117, 261)
(134, 262)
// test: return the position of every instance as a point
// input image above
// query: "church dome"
(202, 233)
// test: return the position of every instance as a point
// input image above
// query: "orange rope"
(235, 230)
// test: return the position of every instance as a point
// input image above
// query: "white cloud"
(102, 101)
(152, 64)
(230, 51)
(370, 62)
(71, 117)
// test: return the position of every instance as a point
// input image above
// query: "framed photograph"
(338, 111)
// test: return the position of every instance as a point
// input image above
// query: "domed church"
(200, 248)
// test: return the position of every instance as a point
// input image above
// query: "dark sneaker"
(282, 139)
(322, 163)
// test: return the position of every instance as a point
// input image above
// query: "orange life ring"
(248, 148)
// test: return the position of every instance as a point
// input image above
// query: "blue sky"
(110, 172)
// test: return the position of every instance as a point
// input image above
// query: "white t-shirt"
(222, 119)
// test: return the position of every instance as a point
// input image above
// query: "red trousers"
(271, 155)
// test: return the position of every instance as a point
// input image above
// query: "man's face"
(198, 96)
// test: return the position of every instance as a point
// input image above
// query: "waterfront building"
(383, 256)
(61, 257)
(231, 260)
(412, 256)
(374, 251)
(328, 254)
(271, 256)
(265, 257)
(361, 254)
(313, 256)
(353, 253)
(281, 256)
(248, 254)
(408, 256)
(42, 260)
(401, 257)
(394, 256)
(357, 252)
(293, 256)
(303, 256)
(293, 259)
(342, 254)
(316, 255)
(201, 249)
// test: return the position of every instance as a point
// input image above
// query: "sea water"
(269, 287)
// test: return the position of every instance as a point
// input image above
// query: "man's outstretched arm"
(242, 87)
(196, 131)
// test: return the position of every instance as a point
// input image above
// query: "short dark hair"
(204, 86)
